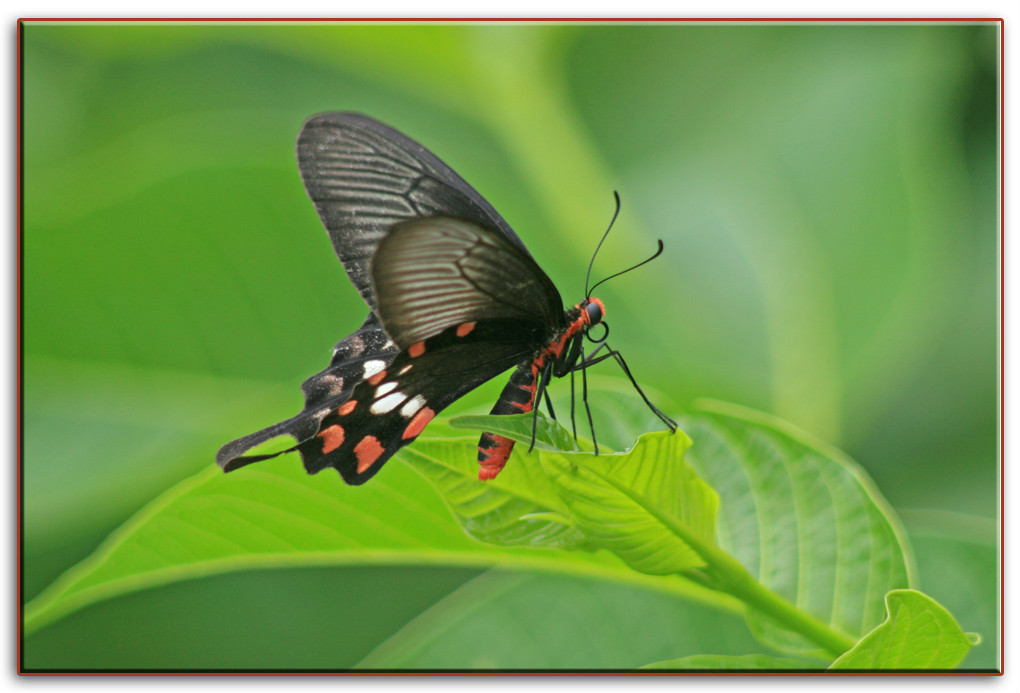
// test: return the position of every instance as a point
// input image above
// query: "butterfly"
(454, 300)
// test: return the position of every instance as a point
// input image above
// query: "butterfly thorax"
(564, 347)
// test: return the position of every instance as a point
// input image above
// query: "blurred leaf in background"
(827, 195)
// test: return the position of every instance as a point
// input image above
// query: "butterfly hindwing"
(389, 409)
(361, 353)
(435, 272)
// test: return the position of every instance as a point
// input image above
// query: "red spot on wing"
(377, 378)
(367, 451)
(418, 423)
(332, 438)
(347, 407)
(415, 350)
(465, 328)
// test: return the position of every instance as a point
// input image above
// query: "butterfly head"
(592, 313)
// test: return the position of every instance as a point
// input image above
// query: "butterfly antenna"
(616, 213)
(643, 262)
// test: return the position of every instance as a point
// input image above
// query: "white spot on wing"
(374, 366)
(384, 388)
(405, 369)
(412, 407)
(387, 403)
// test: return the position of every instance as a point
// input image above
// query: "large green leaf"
(646, 505)
(802, 518)
(274, 515)
(918, 633)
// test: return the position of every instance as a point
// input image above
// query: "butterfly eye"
(599, 340)
(594, 310)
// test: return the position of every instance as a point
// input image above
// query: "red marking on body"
(492, 460)
(367, 452)
(332, 438)
(465, 328)
(416, 349)
(555, 347)
(376, 379)
(418, 423)
(347, 407)
(529, 388)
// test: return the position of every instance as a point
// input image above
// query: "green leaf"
(517, 508)
(752, 662)
(918, 633)
(802, 518)
(646, 505)
(958, 561)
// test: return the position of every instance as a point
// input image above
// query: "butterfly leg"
(584, 398)
(614, 354)
(573, 425)
(549, 404)
(590, 358)
(542, 382)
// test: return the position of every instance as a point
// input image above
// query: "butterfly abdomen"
(517, 397)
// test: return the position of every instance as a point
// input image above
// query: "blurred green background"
(827, 195)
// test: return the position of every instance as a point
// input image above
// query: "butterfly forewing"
(431, 273)
(364, 177)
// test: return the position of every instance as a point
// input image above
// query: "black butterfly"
(454, 296)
